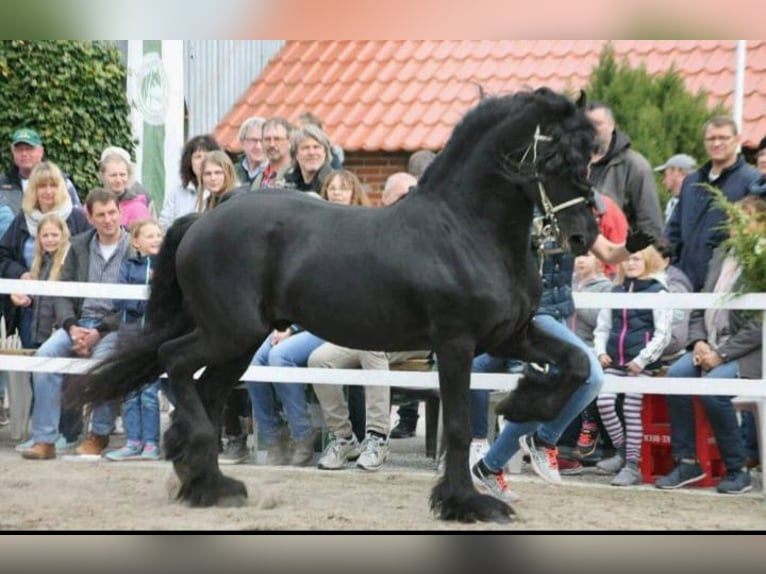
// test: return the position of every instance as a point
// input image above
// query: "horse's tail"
(135, 362)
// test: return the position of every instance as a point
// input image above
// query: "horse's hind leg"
(191, 442)
(454, 497)
(541, 395)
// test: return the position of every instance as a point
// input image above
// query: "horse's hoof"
(469, 506)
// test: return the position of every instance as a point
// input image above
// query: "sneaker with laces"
(569, 467)
(493, 483)
(683, 474)
(235, 451)
(613, 464)
(151, 452)
(544, 460)
(338, 452)
(629, 475)
(735, 482)
(374, 452)
(588, 440)
(131, 451)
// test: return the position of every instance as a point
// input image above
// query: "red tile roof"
(407, 95)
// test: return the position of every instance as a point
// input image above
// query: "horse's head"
(540, 142)
(555, 162)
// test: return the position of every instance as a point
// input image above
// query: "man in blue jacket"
(697, 225)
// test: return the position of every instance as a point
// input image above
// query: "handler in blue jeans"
(289, 348)
(538, 439)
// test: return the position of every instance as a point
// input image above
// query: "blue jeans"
(141, 413)
(25, 327)
(46, 412)
(719, 410)
(293, 351)
(486, 363)
(507, 443)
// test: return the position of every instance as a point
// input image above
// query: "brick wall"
(372, 169)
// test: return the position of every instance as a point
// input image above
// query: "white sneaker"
(493, 484)
(338, 452)
(544, 460)
(374, 452)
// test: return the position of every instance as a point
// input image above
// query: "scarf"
(33, 219)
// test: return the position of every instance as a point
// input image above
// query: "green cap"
(27, 136)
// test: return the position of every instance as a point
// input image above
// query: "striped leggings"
(632, 436)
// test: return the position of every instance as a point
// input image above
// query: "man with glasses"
(276, 145)
(254, 159)
(696, 226)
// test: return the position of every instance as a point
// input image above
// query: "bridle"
(545, 226)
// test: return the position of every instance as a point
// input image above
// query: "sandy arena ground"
(72, 494)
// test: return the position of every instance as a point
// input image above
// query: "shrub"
(73, 94)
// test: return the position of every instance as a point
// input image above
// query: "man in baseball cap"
(674, 171)
(27, 151)
(26, 136)
(679, 161)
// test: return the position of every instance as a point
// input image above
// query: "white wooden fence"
(751, 389)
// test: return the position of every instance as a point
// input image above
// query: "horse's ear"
(582, 100)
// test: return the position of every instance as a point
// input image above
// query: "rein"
(546, 226)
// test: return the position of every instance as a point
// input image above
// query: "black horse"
(448, 267)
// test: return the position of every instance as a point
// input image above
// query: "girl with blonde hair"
(630, 342)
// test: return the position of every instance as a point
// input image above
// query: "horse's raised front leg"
(541, 394)
(454, 496)
(191, 442)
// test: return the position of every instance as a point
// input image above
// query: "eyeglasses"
(718, 139)
(253, 140)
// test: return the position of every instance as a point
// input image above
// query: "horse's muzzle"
(578, 244)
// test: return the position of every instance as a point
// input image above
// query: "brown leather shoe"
(40, 451)
(94, 444)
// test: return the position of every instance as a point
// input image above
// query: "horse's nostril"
(577, 239)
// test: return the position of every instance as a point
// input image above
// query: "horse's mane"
(487, 126)
(572, 139)
(467, 134)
